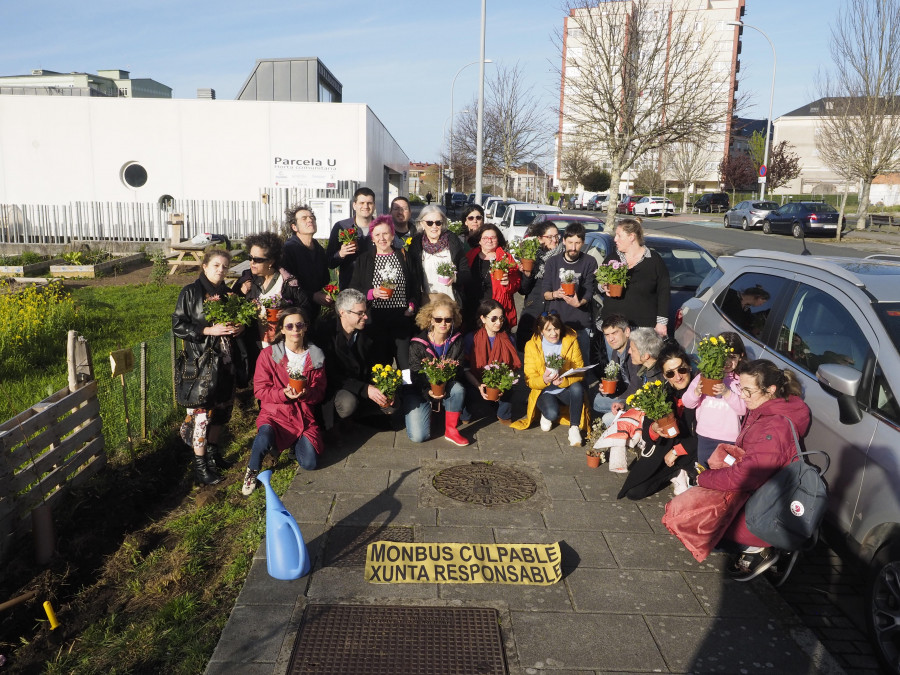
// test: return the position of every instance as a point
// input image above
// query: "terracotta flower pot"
(389, 408)
(568, 289)
(707, 384)
(608, 387)
(497, 274)
(614, 290)
(593, 462)
(272, 314)
(298, 385)
(438, 389)
(389, 291)
(492, 394)
(526, 264)
(668, 426)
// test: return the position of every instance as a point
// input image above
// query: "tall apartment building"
(698, 46)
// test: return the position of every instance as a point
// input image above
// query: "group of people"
(414, 292)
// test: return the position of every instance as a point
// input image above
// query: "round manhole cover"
(486, 484)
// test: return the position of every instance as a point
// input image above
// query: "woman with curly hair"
(305, 258)
(439, 320)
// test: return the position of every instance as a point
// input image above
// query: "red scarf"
(502, 351)
(505, 295)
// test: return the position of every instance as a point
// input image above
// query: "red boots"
(451, 433)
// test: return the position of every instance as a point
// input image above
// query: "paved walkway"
(632, 598)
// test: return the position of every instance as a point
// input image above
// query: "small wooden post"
(177, 222)
(78, 356)
(127, 419)
(144, 390)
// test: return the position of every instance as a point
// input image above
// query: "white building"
(109, 83)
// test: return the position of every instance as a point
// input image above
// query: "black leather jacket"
(188, 321)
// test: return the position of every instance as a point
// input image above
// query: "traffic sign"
(762, 170)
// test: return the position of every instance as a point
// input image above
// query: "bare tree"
(686, 162)
(575, 163)
(859, 134)
(738, 172)
(784, 165)
(637, 78)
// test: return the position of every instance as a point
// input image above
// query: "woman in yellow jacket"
(549, 389)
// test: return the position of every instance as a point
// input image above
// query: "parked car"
(653, 206)
(484, 199)
(802, 219)
(597, 203)
(626, 205)
(712, 201)
(748, 214)
(494, 214)
(581, 201)
(458, 200)
(518, 216)
(688, 263)
(836, 323)
(563, 220)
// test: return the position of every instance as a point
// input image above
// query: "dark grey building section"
(294, 79)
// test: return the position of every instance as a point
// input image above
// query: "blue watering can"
(286, 556)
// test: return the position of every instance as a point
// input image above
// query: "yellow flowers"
(712, 352)
(32, 317)
(713, 341)
(653, 399)
(386, 379)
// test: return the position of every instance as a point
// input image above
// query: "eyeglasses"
(295, 326)
(442, 319)
(433, 223)
(551, 237)
(258, 261)
(489, 239)
(494, 319)
(474, 217)
(552, 312)
(748, 392)
(681, 370)
(359, 314)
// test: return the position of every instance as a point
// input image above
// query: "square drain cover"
(351, 639)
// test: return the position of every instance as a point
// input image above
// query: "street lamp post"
(479, 143)
(762, 182)
(443, 138)
(452, 88)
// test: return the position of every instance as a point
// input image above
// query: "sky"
(398, 57)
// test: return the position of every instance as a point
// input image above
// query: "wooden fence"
(142, 221)
(50, 448)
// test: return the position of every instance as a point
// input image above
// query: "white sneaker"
(574, 437)
(680, 482)
(546, 425)
(249, 482)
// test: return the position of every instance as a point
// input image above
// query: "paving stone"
(720, 596)
(469, 514)
(579, 548)
(595, 516)
(390, 457)
(384, 508)
(634, 550)
(360, 481)
(254, 633)
(632, 592)
(262, 589)
(616, 643)
(554, 598)
(308, 507)
(563, 488)
(348, 584)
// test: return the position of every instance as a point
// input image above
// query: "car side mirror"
(844, 382)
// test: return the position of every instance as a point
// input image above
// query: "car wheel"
(797, 231)
(725, 222)
(745, 225)
(767, 228)
(883, 604)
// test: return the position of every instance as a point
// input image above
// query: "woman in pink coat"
(286, 418)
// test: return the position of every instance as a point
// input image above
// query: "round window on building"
(134, 175)
(166, 203)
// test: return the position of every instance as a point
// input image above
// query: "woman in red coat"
(487, 247)
(286, 418)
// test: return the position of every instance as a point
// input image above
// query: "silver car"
(748, 214)
(836, 323)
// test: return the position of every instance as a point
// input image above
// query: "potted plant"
(554, 363)
(446, 272)
(568, 282)
(610, 379)
(497, 378)
(614, 275)
(526, 251)
(233, 309)
(500, 267)
(296, 378)
(713, 352)
(439, 371)
(458, 228)
(271, 305)
(331, 290)
(348, 236)
(387, 380)
(595, 457)
(654, 401)
(388, 282)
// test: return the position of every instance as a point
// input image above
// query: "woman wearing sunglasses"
(488, 244)
(286, 418)
(551, 392)
(532, 282)
(473, 218)
(491, 344)
(440, 338)
(433, 246)
(390, 284)
(662, 460)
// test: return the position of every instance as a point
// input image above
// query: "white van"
(582, 200)
(519, 216)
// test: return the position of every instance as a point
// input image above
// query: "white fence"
(142, 221)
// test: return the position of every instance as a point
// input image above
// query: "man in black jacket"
(344, 256)
(348, 361)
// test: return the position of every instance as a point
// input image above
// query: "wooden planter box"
(94, 271)
(29, 270)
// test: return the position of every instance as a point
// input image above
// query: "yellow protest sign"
(529, 564)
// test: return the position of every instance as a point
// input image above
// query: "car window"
(524, 217)
(821, 208)
(747, 301)
(742, 205)
(883, 397)
(765, 206)
(687, 266)
(818, 329)
(500, 209)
